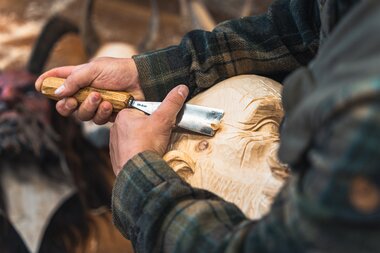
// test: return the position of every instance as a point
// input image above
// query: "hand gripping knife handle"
(200, 119)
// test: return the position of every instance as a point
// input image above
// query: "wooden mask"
(240, 162)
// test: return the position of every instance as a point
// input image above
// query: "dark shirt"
(331, 136)
(271, 45)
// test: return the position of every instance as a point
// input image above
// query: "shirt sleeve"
(331, 203)
(270, 45)
(331, 206)
(159, 212)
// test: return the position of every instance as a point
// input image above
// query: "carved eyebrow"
(254, 101)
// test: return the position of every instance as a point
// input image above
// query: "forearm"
(159, 212)
(149, 199)
(271, 45)
(318, 207)
(331, 139)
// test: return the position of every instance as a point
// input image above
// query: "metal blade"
(147, 107)
(199, 119)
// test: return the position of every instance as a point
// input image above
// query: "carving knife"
(200, 119)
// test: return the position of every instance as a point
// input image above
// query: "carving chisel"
(195, 118)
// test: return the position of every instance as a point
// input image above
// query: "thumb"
(172, 104)
(81, 76)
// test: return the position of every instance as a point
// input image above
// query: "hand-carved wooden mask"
(240, 162)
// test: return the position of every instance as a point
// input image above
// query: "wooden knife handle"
(118, 99)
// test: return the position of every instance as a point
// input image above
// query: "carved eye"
(269, 126)
(181, 163)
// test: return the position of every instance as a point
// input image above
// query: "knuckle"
(122, 114)
(174, 101)
(169, 122)
(93, 68)
(87, 108)
(127, 116)
(127, 113)
(103, 114)
(71, 82)
(119, 116)
(163, 119)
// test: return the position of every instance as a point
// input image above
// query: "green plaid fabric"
(270, 45)
(330, 138)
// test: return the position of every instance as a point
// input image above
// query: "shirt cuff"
(162, 70)
(135, 182)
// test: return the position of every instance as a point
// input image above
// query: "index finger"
(61, 72)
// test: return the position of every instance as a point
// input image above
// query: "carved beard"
(25, 136)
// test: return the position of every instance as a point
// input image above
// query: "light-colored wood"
(118, 99)
(240, 162)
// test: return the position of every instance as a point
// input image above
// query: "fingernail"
(183, 91)
(107, 109)
(95, 98)
(59, 90)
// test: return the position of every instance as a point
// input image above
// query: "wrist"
(134, 79)
(133, 152)
(131, 157)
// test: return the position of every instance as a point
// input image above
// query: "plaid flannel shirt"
(330, 138)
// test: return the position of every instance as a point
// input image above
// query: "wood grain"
(118, 99)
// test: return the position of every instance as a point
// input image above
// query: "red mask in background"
(24, 117)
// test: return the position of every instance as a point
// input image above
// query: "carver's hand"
(134, 132)
(105, 73)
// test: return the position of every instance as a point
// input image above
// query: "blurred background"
(114, 20)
